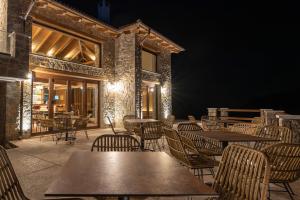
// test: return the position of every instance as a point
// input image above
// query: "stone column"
(164, 68)
(270, 116)
(292, 122)
(223, 113)
(125, 77)
(212, 113)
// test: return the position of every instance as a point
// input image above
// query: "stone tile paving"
(38, 161)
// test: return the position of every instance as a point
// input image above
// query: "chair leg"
(289, 186)
(269, 192)
(86, 135)
(288, 190)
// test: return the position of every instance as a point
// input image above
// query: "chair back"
(281, 134)
(152, 130)
(169, 121)
(111, 125)
(188, 127)
(10, 187)
(246, 128)
(81, 123)
(112, 142)
(192, 119)
(284, 160)
(128, 126)
(175, 145)
(243, 174)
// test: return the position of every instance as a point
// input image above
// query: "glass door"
(60, 97)
(92, 103)
(149, 102)
(77, 98)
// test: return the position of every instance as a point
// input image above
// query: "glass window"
(92, 103)
(148, 61)
(59, 45)
(60, 96)
(77, 98)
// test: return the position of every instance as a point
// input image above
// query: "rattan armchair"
(169, 121)
(129, 126)
(81, 125)
(278, 133)
(206, 146)
(125, 132)
(112, 142)
(246, 128)
(187, 155)
(10, 187)
(192, 119)
(153, 133)
(243, 174)
(285, 164)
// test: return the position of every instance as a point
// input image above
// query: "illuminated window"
(148, 61)
(62, 46)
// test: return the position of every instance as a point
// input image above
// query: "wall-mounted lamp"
(115, 87)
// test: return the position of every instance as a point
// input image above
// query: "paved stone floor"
(38, 161)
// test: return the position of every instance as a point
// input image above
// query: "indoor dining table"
(125, 175)
(140, 123)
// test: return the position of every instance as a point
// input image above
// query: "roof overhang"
(80, 17)
(152, 35)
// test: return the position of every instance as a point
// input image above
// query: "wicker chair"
(112, 142)
(128, 126)
(282, 134)
(243, 174)
(192, 119)
(205, 146)
(187, 155)
(169, 121)
(81, 125)
(285, 164)
(152, 134)
(10, 187)
(115, 131)
(189, 127)
(246, 128)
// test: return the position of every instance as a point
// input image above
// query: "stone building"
(55, 59)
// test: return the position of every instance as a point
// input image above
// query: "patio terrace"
(38, 162)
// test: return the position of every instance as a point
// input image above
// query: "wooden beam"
(52, 39)
(61, 45)
(43, 36)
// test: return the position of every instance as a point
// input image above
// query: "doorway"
(149, 102)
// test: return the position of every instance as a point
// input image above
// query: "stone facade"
(125, 79)
(119, 73)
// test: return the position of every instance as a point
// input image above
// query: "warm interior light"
(50, 52)
(29, 75)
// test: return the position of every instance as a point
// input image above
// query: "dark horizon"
(238, 54)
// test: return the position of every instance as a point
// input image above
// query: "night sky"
(239, 54)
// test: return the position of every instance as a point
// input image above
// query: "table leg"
(224, 144)
(142, 138)
(67, 133)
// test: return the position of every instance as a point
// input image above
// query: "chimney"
(103, 11)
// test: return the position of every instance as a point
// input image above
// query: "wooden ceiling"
(62, 46)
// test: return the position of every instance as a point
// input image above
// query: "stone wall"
(164, 69)
(125, 77)
(16, 64)
(107, 99)
(13, 110)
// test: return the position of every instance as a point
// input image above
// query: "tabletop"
(232, 136)
(126, 174)
(140, 121)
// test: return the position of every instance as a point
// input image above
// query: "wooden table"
(140, 123)
(125, 174)
(228, 136)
